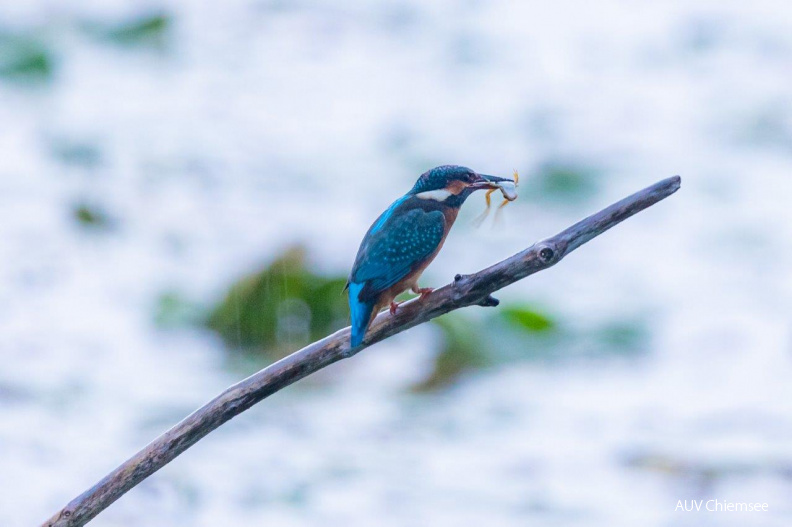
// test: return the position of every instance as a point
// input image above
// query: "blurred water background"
(183, 185)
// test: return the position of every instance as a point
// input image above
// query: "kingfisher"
(405, 239)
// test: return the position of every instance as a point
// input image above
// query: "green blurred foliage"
(522, 332)
(286, 305)
(624, 337)
(151, 31)
(91, 216)
(461, 351)
(173, 311)
(25, 58)
(281, 307)
(527, 318)
(467, 343)
(566, 182)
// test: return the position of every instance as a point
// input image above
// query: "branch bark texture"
(465, 290)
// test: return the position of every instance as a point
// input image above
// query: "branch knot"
(546, 254)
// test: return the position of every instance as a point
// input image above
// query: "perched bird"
(404, 240)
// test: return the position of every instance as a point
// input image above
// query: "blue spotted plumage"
(405, 239)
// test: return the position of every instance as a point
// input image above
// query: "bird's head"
(452, 184)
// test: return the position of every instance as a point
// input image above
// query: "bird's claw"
(393, 307)
(423, 291)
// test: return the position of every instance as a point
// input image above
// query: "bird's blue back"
(398, 242)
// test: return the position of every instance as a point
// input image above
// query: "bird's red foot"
(423, 291)
(393, 307)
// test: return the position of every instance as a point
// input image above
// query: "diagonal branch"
(466, 290)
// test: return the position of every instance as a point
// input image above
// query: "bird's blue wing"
(394, 248)
(399, 241)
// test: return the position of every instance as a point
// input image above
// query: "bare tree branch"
(466, 290)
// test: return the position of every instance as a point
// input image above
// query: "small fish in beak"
(508, 189)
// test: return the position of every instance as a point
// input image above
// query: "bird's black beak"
(489, 182)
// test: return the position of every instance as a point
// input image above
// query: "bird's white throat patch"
(437, 195)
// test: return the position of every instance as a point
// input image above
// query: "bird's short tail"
(360, 313)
